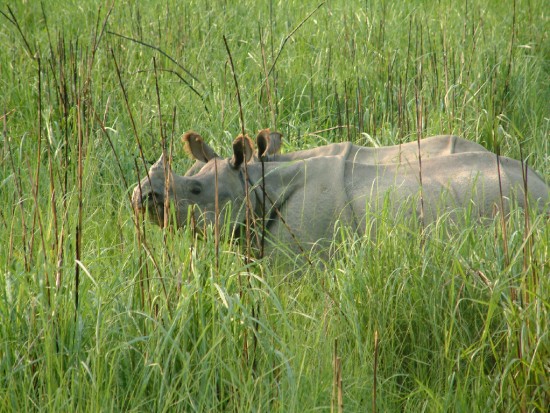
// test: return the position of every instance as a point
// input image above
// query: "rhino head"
(196, 193)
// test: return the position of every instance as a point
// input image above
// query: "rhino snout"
(142, 199)
(136, 199)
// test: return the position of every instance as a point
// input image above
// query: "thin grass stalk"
(167, 183)
(43, 242)
(527, 237)
(503, 219)
(64, 97)
(311, 94)
(327, 75)
(400, 114)
(132, 121)
(294, 238)
(105, 132)
(136, 219)
(337, 127)
(373, 121)
(359, 98)
(346, 107)
(266, 81)
(262, 241)
(527, 255)
(17, 177)
(13, 20)
(334, 376)
(248, 209)
(375, 372)
(388, 94)
(37, 179)
(166, 165)
(97, 36)
(142, 157)
(338, 111)
(143, 246)
(446, 77)
(44, 17)
(216, 218)
(408, 59)
(140, 234)
(510, 59)
(287, 38)
(419, 120)
(63, 166)
(340, 386)
(56, 247)
(189, 85)
(162, 52)
(337, 404)
(513, 292)
(78, 235)
(38, 164)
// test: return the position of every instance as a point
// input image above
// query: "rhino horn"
(158, 166)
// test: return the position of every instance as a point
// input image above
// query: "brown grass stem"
(337, 404)
(19, 189)
(288, 36)
(266, 81)
(78, 235)
(375, 372)
(132, 121)
(510, 59)
(115, 154)
(248, 208)
(419, 103)
(216, 217)
(13, 20)
(243, 130)
(43, 241)
(162, 52)
(189, 85)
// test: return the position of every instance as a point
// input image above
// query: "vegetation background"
(100, 314)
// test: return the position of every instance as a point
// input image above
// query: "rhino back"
(431, 147)
(453, 181)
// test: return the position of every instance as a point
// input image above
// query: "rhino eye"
(195, 189)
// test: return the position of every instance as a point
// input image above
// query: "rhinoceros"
(306, 198)
(269, 145)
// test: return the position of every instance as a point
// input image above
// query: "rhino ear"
(243, 149)
(269, 143)
(196, 147)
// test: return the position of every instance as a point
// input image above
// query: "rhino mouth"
(150, 204)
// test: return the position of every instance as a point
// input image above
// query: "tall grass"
(100, 312)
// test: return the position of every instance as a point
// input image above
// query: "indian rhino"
(306, 198)
(269, 145)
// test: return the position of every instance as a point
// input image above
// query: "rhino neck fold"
(272, 185)
(303, 202)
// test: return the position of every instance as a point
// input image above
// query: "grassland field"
(101, 313)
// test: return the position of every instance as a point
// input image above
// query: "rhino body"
(312, 195)
(269, 144)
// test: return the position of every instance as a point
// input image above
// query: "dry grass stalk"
(375, 372)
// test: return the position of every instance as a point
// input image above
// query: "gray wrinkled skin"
(430, 147)
(314, 194)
